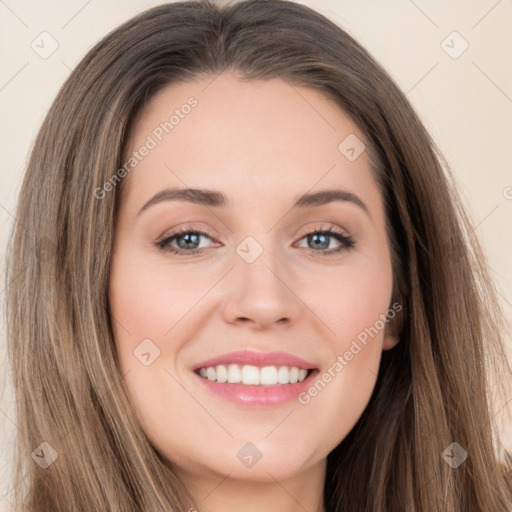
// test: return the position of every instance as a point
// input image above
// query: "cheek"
(151, 301)
(351, 301)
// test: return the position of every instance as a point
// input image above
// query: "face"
(261, 273)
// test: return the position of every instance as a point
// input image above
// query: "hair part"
(432, 388)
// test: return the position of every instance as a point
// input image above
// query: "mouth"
(255, 379)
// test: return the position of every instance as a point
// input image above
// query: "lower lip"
(258, 395)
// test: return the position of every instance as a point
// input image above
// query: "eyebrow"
(215, 198)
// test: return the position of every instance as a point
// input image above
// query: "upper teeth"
(253, 375)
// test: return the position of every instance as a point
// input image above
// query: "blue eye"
(320, 239)
(188, 240)
(189, 237)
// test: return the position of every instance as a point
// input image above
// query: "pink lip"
(259, 359)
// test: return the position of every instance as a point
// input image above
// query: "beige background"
(465, 102)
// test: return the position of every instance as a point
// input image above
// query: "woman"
(254, 371)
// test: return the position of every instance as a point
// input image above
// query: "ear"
(390, 340)
(394, 325)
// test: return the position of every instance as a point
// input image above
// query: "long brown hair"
(433, 388)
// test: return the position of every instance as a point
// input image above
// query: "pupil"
(324, 243)
(188, 237)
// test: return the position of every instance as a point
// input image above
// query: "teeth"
(222, 374)
(234, 374)
(250, 375)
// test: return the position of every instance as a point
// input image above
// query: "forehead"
(254, 139)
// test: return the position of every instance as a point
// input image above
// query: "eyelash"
(347, 242)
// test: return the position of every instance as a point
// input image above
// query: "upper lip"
(257, 359)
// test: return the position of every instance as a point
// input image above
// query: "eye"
(321, 237)
(188, 241)
(186, 238)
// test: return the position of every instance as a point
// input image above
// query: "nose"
(262, 293)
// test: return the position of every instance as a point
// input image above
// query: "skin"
(262, 144)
